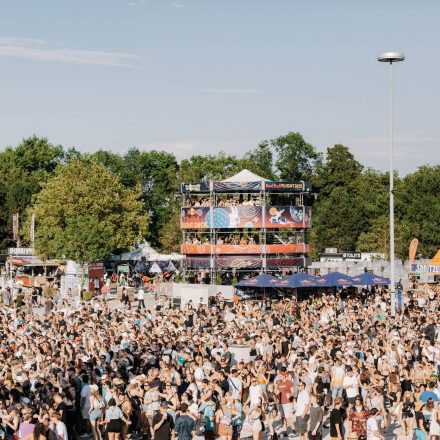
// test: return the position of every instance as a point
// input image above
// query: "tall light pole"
(391, 57)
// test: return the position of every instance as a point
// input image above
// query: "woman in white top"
(95, 410)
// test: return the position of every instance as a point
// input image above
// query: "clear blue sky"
(198, 76)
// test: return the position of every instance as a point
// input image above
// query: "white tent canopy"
(155, 268)
(145, 250)
(245, 176)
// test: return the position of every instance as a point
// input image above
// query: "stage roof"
(245, 176)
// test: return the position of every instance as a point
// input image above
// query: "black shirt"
(420, 417)
(335, 419)
(164, 431)
(285, 347)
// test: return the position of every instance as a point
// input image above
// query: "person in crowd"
(336, 423)
(104, 370)
(185, 424)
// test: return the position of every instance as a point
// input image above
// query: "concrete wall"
(197, 291)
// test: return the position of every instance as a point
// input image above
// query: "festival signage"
(231, 187)
(272, 186)
(351, 255)
(236, 186)
(203, 249)
(200, 187)
(288, 217)
(425, 268)
(412, 250)
(252, 217)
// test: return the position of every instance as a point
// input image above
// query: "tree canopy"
(85, 213)
(108, 192)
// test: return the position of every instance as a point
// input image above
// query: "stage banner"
(293, 263)
(200, 187)
(251, 217)
(245, 262)
(238, 262)
(197, 263)
(231, 187)
(249, 249)
(272, 186)
(288, 217)
(237, 186)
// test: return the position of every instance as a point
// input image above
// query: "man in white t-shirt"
(337, 378)
(59, 427)
(373, 430)
(302, 411)
(140, 298)
(351, 387)
(255, 398)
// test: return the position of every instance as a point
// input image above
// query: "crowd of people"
(244, 239)
(234, 370)
(239, 200)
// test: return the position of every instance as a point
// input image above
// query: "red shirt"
(285, 387)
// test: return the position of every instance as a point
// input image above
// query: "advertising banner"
(231, 187)
(288, 217)
(232, 249)
(194, 218)
(245, 262)
(271, 186)
(232, 217)
(237, 186)
(413, 249)
(425, 268)
(200, 187)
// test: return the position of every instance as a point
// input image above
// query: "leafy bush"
(87, 296)
(49, 292)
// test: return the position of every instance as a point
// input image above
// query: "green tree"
(203, 168)
(296, 158)
(339, 169)
(377, 237)
(338, 218)
(156, 174)
(85, 213)
(23, 171)
(170, 234)
(418, 205)
(337, 222)
(260, 161)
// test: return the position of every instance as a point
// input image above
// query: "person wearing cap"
(95, 410)
(162, 424)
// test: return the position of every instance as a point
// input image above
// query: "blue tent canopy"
(297, 280)
(335, 279)
(370, 279)
(263, 280)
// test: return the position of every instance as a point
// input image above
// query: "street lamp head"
(391, 57)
